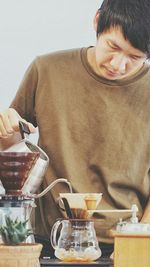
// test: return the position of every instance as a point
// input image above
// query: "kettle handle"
(24, 129)
(53, 234)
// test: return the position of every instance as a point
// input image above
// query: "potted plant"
(14, 252)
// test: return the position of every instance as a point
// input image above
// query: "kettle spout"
(49, 187)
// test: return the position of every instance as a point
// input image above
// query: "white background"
(32, 27)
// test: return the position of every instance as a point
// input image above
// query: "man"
(92, 109)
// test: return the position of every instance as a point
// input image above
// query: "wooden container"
(131, 250)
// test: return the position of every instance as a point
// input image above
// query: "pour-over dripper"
(14, 170)
(81, 203)
(37, 173)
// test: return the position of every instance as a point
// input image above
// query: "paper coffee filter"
(82, 201)
(92, 200)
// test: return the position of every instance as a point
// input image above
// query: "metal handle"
(24, 129)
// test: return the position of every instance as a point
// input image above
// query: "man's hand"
(9, 123)
(9, 128)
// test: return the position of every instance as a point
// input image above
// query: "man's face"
(114, 57)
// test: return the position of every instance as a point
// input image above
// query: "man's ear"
(96, 19)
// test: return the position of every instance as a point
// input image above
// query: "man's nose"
(118, 63)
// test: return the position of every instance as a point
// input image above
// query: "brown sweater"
(96, 133)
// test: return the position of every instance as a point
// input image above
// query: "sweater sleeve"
(24, 101)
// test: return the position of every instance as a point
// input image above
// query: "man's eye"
(113, 46)
(135, 57)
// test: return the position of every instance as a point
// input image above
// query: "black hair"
(132, 16)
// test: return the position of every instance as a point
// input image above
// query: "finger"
(7, 124)
(5, 127)
(6, 118)
(3, 132)
(14, 119)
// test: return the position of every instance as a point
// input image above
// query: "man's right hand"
(9, 123)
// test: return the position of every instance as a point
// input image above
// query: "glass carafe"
(76, 242)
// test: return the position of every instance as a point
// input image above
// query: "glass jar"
(77, 241)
